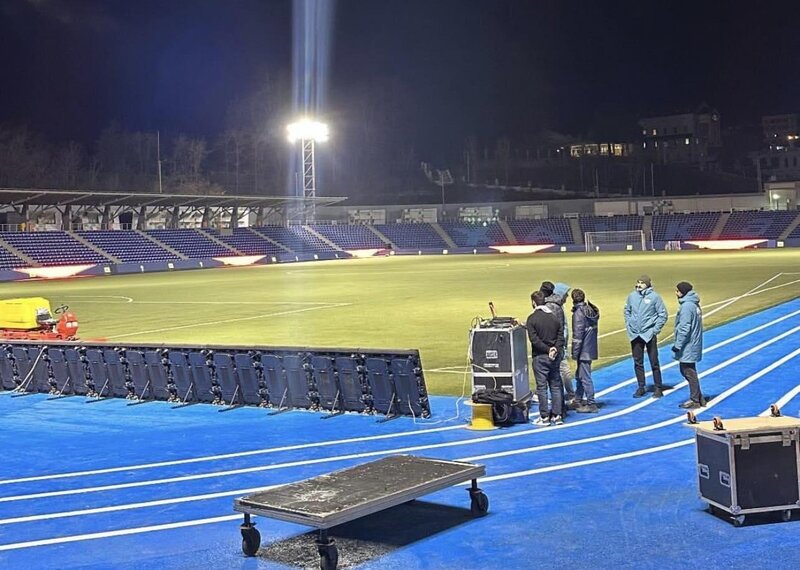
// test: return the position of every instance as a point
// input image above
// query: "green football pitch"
(424, 302)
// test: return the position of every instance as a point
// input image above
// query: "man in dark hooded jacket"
(546, 333)
(585, 317)
(688, 346)
(555, 295)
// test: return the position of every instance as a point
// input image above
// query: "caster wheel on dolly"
(251, 541)
(479, 505)
(328, 557)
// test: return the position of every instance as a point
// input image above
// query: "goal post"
(625, 240)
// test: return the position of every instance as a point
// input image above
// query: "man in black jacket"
(546, 333)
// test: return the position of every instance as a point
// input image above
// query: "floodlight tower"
(308, 132)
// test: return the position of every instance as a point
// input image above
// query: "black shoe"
(640, 392)
(690, 405)
(658, 392)
(587, 409)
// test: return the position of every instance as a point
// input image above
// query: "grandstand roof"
(46, 197)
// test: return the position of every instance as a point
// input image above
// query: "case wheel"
(718, 423)
(775, 411)
(786, 515)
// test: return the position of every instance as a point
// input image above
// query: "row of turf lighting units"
(335, 380)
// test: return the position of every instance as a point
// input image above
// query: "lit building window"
(655, 132)
(686, 141)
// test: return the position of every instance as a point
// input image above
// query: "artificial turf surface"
(423, 302)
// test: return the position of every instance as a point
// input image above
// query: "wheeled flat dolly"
(335, 498)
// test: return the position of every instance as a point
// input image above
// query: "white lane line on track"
(677, 419)
(162, 502)
(362, 455)
(382, 436)
(236, 320)
(729, 300)
(706, 351)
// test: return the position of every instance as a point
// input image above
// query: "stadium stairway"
(647, 226)
(577, 234)
(218, 241)
(174, 252)
(10, 248)
(314, 232)
(443, 234)
(270, 240)
(93, 247)
(382, 237)
(790, 228)
(512, 239)
(723, 219)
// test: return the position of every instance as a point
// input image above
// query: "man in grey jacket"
(645, 316)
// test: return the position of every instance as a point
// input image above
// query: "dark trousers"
(637, 350)
(583, 382)
(547, 375)
(689, 371)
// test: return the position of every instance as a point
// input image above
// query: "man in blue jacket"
(688, 347)
(645, 316)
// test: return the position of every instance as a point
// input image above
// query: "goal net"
(630, 240)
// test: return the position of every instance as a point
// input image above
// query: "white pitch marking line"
(272, 467)
(367, 438)
(236, 320)
(717, 400)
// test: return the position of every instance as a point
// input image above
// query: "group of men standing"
(645, 316)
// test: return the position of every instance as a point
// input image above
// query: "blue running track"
(141, 487)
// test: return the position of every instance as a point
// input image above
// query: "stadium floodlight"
(308, 132)
(307, 129)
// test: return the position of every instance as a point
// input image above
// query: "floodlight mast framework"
(309, 180)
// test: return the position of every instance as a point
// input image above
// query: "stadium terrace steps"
(791, 228)
(191, 243)
(90, 245)
(248, 242)
(162, 245)
(11, 257)
(214, 238)
(295, 239)
(577, 234)
(721, 223)
(313, 231)
(443, 234)
(512, 239)
(647, 225)
(382, 237)
(350, 236)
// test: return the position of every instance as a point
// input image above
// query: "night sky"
(488, 68)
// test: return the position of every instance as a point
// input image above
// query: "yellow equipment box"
(22, 313)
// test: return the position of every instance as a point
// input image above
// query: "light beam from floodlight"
(308, 132)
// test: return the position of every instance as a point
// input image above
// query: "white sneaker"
(556, 421)
(540, 421)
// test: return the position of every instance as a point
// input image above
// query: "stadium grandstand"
(144, 232)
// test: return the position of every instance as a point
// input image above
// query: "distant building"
(780, 131)
(687, 138)
(600, 149)
(779, 159)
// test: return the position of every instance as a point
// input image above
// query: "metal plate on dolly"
(336, 498)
